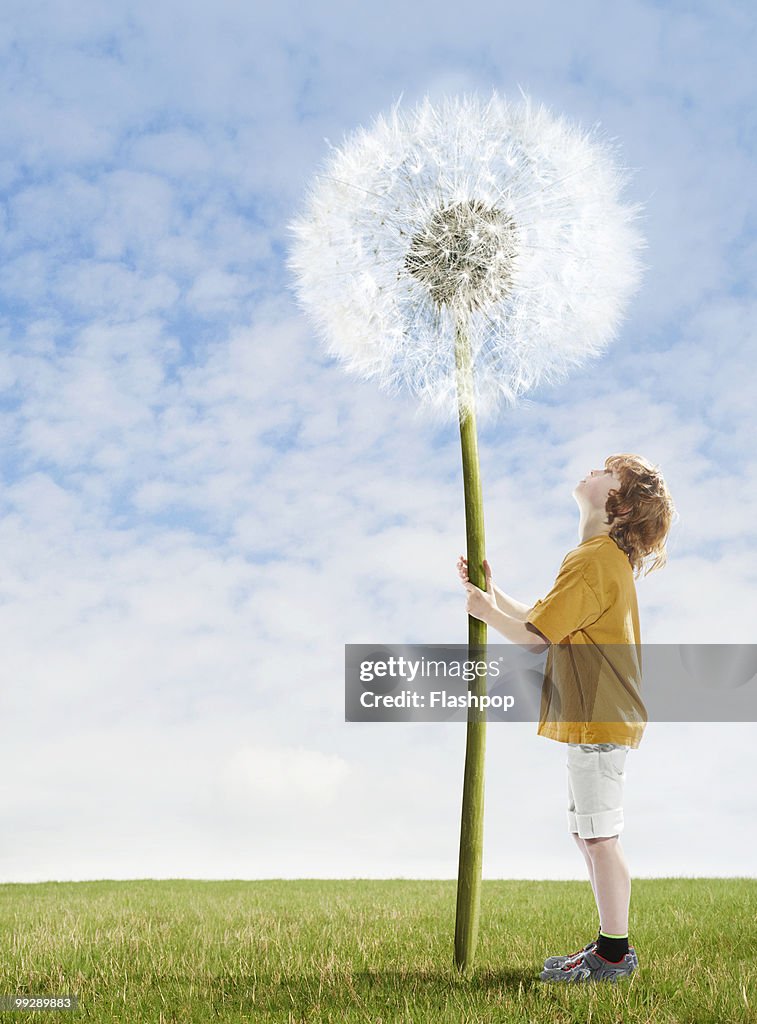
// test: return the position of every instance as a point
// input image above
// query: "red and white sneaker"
(559, 961)
(589, 966)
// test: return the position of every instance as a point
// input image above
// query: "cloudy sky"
(199, 508)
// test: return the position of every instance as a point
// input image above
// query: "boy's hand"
(462, 568)
(480, 603)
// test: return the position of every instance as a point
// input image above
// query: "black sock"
(612, 948)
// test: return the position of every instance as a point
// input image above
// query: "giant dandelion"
(465, 252)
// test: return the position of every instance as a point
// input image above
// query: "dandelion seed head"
(463, 255)
(494, 215)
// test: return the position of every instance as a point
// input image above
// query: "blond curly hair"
(641, 510)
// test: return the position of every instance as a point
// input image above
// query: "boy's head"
(638, 505)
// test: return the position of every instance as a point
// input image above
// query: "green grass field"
(370, 951)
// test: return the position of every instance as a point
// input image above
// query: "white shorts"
(596, 774)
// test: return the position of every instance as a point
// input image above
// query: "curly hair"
(644, 511)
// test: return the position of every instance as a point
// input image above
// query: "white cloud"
(283, 776)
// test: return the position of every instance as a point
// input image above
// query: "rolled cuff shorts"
(596, 775)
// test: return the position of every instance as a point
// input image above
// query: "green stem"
(472, 819)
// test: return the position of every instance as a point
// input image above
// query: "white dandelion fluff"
(495, 218)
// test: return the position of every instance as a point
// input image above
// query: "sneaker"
(558, 961)
(589, 966)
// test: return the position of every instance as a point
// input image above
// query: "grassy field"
(370, 951)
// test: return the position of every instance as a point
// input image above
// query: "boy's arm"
(517, 631)
(505, 603)
(508, 605)
(485, 606)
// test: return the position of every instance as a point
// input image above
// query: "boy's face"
(592, 491)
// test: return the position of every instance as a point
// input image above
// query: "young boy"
(625, 515)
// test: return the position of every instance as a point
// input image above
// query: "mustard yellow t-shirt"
(592, 677)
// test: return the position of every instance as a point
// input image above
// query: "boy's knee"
(601, 839)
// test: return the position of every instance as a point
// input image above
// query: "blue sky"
(199, 508)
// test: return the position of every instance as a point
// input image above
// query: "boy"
(625, 515)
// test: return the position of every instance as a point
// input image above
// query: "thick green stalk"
(472, 820)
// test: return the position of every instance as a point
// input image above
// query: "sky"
(199, 508)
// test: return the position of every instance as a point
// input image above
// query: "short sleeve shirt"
(592, 679)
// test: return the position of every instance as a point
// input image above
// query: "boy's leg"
(595, 817)
(581, 844)
(558, 961)
(573, 827)
(612, 883)
(596, 773)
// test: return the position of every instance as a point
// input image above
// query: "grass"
(378, 951)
